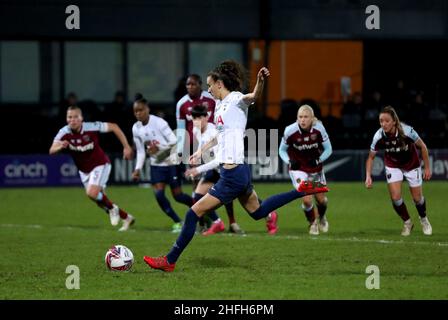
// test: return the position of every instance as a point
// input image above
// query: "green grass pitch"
(42, 231)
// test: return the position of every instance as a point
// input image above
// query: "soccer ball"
(119, 258)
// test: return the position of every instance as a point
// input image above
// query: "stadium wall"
(44, 170)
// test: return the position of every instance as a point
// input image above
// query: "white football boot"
(129, 221)
(324, 225)
(314, 228)
(114, 215)
(407, 228)
(426, 226)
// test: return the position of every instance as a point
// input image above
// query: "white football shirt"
(230, 122)
(155, 131)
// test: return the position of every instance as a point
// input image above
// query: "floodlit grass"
(43, 230)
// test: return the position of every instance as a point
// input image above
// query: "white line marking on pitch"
(320, 238)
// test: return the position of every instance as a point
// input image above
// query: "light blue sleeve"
(328, 150)
(180, 133)
(410, 132)
(283, 151)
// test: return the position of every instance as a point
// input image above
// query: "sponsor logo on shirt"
(398, 149)
(87, 147)
(306, 146)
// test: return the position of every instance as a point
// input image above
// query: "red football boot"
(312, 187)
(215, 228)
(160, 263)
(271, 222)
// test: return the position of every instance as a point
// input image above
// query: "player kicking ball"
(81, 140)
(225, 83)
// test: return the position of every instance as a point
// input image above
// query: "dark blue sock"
(166, 206)
(184, 198)
(185, 236)
(212, 214)
(276, 201)
(197, 197)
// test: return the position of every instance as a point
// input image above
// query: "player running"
(225, 83)
(153, 136)
(81, 140)
(400, 142)
(305, 146)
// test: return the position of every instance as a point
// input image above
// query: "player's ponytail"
(232, 74)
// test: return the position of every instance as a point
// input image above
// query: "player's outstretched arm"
(57, 146)
(127, 150)
(258, 89)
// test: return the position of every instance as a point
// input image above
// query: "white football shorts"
(414, 177)
(97, 177)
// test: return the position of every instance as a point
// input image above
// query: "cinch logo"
(68, 170)
(32, 170)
